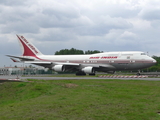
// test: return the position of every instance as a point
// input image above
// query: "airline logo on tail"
(28, 48)
(31, 47)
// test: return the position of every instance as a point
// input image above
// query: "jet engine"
(88, 70)
(59, 68)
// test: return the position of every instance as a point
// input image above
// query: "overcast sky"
(104, 25)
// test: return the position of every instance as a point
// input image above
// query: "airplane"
(108, 62)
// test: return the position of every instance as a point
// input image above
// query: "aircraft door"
(128, 63)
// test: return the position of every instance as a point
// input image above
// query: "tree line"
(74, 51)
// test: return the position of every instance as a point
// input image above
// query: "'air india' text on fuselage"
(104, 57)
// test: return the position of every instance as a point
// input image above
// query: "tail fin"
(28, 49)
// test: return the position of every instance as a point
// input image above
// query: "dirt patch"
(70, 85)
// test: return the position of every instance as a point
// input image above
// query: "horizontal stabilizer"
(14, 60)
(21, 58)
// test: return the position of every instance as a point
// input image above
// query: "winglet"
(28, 49)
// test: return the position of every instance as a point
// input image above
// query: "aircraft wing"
(21, 58)
(48, 64)
(70, 65)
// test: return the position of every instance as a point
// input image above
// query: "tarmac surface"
(87, 78)
(21, 79)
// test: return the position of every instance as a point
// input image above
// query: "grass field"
(80, 100)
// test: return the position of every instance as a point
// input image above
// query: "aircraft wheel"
(138, 74)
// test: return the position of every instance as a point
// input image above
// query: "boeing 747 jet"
(84, 64)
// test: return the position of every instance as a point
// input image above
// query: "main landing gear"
(138, 74)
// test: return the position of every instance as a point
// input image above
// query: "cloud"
(12, 3)
(128, 35)
(150, 13)
(84, 24)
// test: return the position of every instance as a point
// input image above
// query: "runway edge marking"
(123, 76)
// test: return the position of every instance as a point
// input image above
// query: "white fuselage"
(120, 60)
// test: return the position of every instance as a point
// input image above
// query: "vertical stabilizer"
(28, 49)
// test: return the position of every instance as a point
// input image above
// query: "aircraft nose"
(154, 61)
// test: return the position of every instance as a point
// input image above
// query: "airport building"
(23, 71)
(9, 70)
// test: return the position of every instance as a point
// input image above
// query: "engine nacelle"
(59, 68)
(88, 70)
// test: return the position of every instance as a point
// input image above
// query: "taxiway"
(87, 78)
(21, 79)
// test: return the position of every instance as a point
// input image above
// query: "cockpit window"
(143, 53)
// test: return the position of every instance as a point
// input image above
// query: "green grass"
(80, 100)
